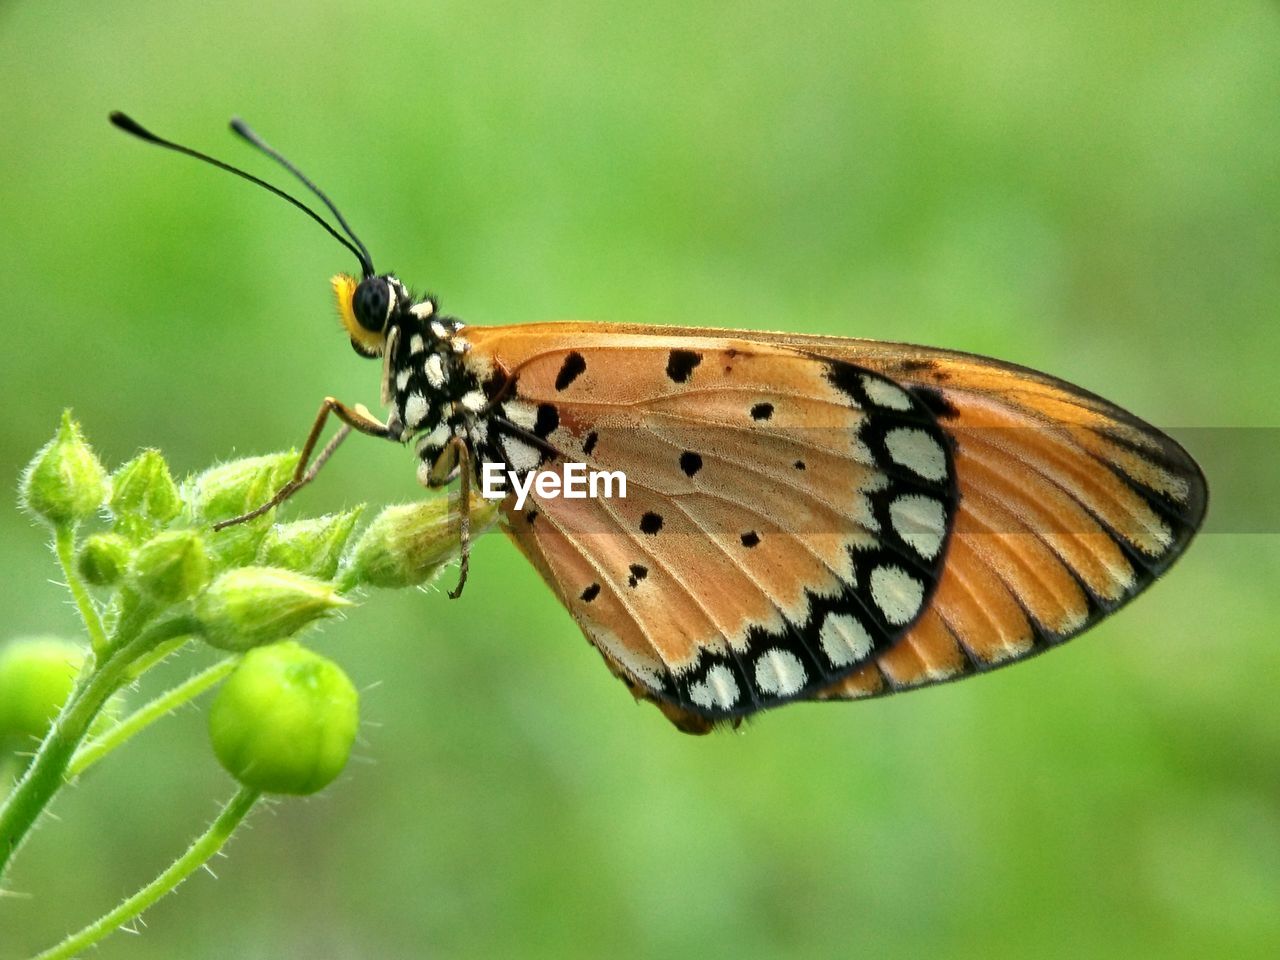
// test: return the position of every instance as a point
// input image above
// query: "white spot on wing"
(415, 409)
(416, 345)
(885, 394)
(920, 521)
(402, 378)
(844, 639)
(521, 413)
(521, 455)
(914, 449)
(474, 401)
(779, 672)
(423, 310)
(718, 691)
(898, 594)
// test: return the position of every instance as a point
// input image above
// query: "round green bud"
(254, 606)
(285, 720)
(171, 566)
(37, 675)
(64, 483)
(143, 487)
(312, 547)
(407, 545)
(103, 558)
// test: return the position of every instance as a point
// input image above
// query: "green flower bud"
(285, 720)
(171, 566)
(253, 606)
(133, 527)
(144, 487)
(37, 675)
(103, 558)
(407, 545)
(238, 545)
(312, 547)
(235, 488)
(64, 483)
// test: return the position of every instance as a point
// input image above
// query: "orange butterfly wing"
(1069, 507)
(1050, 509)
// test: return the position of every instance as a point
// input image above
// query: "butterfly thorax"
(435, 395)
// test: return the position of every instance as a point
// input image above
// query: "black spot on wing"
(934, 402)
(573, 365)
(762, 411)
(590, 443)
(548, 419)
(690, 462)
(680, 364)
(638, 573)
(893, 580)
(590, 593)
(650, 523)
(916, 365)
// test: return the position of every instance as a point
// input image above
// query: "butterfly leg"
(464, 515)
(353, 418)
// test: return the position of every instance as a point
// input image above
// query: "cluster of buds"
(286, 717)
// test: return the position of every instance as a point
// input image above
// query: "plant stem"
(9, 767)
(201, 849)
(148, 714)
(149, 659)
(42, 778)
(64, 539)
(21, 809)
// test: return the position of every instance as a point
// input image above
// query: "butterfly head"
(369, 308)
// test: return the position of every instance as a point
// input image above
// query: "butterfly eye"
(372, 303)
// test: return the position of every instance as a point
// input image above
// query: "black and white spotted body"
(434, 389)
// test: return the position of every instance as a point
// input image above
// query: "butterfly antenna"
(131, 126)
(244, 130)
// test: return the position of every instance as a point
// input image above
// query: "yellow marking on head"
(344, 288)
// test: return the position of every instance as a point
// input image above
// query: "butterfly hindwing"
(784, 521)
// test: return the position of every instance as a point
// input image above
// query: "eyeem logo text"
(574, 482)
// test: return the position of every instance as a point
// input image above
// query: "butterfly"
(806, 517)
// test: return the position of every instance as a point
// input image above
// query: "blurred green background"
(1090, 188)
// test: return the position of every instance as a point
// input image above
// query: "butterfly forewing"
(818, 517)
(1069, 507)
(784, 520)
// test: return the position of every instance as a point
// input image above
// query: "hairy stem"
(150, 659)
(64, 540)
(201, 849)
(99, 680)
